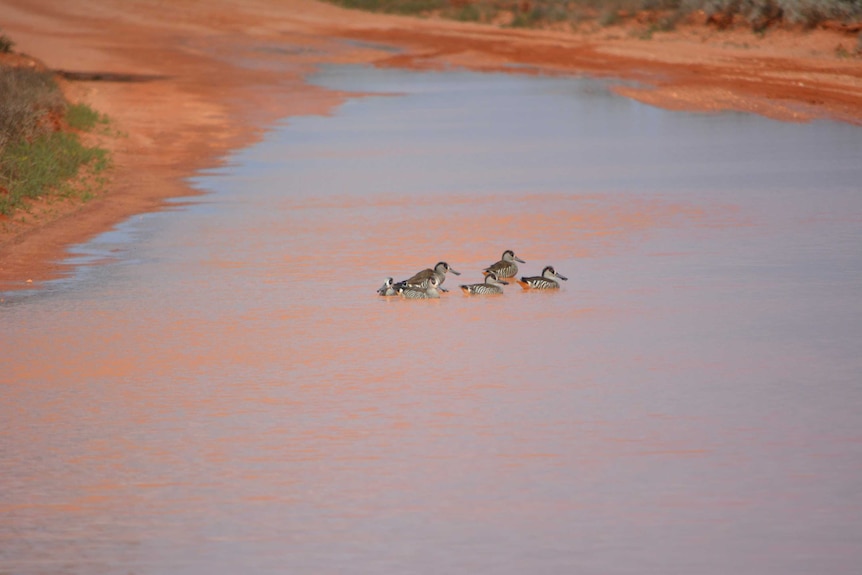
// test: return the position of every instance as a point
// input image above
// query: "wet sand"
(187, 83)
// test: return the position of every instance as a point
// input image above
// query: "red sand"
(201, 103)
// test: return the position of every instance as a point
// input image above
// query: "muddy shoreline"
(217, 76)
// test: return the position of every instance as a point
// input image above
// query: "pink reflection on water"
(274, 406)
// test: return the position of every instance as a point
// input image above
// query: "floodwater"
(217, 388)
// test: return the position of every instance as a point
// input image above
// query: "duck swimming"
(491, 285)
(418, 292)
(506, 267)
(421, 279)
(388, 288)
(548, 280)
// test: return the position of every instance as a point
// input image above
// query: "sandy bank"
(193, 81)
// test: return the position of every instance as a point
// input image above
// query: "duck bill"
(504, 283)
(454, 272)
(564, 278)
(519, 260)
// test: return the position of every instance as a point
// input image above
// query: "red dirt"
(186, 100)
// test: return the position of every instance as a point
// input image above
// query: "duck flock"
(428, 283)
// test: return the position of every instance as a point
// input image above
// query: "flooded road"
(217, 389)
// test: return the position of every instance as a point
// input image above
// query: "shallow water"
(217, 389)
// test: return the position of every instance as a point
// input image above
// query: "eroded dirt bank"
(187, 82)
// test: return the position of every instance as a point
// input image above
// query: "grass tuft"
(469, 12)
(31, 169)
(83, 117)
(36, 158)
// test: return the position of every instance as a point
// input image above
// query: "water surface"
(217, 389)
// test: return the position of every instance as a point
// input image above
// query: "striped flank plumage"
(506, 267)
(417, 292)
(491, 285)
(548, 280)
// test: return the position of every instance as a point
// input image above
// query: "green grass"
(83, 117)
(37, 160)
(45, 166)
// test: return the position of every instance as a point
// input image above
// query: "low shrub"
(468, 12)
(83, 117)
(35, 156)
(760, 14)
(5, 44)
(763, 13)
(30, 103)
(395, 6)
(29, 169)
(812, 12)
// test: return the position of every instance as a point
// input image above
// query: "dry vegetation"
(661, 14)
(41, 152)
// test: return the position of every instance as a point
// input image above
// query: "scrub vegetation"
(662, 15)
(5, 44)
(41, 151)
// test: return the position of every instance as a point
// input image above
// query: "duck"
(491, 285)
(548, 280)
(417, 292)
(388, 288)
(506, 267)
(421, 279)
